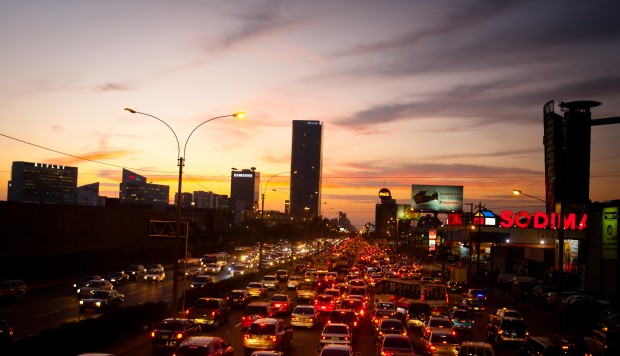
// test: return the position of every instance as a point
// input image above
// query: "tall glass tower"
(306, 166)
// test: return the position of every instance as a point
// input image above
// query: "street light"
(262, 217)
(519, 192)
(181, 160)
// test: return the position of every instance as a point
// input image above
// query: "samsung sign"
(243, 175)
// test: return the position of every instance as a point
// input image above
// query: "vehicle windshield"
(100, 294)
(325, 298)
(238, 268)
(342, 317)
(254, 309)
(255, 285)
(397, 342)
(237, 294)
(294, 278)
(385, 306)
(209, 304)
(335, 329)
(303, 310)
(351, 304)
(269, 278)
(443, 338)
(513, 314)
(393, 324)
(262, 329)
(332, 352)
(201, 279)
(513, 326)
(461, 314)
(436, 323)
(174, 325)
(279, 298)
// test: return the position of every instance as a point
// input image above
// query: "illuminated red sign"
(539, 220)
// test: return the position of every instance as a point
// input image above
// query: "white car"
(154, 275)
(292, 282)
(305, 316)
(212, 268)
(271, 281)
(336, 334)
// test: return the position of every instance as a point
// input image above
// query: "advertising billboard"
(437, 198)
(404, 212)
(610, 233)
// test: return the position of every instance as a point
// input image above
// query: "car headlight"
(81, 302)
(98, 304)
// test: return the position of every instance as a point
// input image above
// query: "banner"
(437, 198)
(610, 233)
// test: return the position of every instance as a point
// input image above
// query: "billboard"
(404, 212)
(437, 198)
(610, 233)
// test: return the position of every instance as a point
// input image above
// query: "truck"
(305, 291)
(209, 312)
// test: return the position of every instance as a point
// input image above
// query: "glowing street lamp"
(520, 192)
(181, 163)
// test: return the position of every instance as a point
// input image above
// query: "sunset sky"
(409, 92)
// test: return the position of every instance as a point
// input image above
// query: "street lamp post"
(519, 192)
(181, 163)
(262, 217)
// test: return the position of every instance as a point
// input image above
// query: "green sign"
(610, 233)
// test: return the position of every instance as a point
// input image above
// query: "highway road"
(52, 307)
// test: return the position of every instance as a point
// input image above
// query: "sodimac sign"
(539, 220)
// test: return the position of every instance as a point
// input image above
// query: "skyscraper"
(43, 183)
(134, 189)
(244, 186)
(306, 167)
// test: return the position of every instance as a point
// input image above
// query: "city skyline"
(409, 92)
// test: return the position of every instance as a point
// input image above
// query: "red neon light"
(539, 220)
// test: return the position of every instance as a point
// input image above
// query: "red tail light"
(246, 336)
(153, 333)
(273, 338)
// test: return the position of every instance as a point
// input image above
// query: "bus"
(217, 258)
(404, 292)
(323, 263)
(189, 268)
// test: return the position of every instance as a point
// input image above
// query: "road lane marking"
(238, 324)
(46, 314)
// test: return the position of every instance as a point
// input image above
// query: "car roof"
(199, 340)
(266, 321)
(476, 344)
(259, 304)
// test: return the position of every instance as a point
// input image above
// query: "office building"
(89, 195)
(245, 186)
(134, 189)
(43, 183)
(306, 166)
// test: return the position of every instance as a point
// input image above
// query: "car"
(211, 268)
(117, 277)
(336, 333)
(171, 332)
(389, 327)
(609, 322)
(201, 281)
(89, 288)
(376, 278)
(101, 300)
(440, 343)
(471, 304)
(238, 269)
(324, 302)
(507, 330)
(344, 316)
(337, 350)
(335, 292)
(438, 323)
(211, 312)
(476, 293)
(292, 282)
(12, 289)
(271, 281)
(477, 348)
(418, 314)
(136, 272)
(356, 305)
(282, 275)
(268, 334)
(255, 311)
(300, 268)
(461, 319)
(540, 293)
(395, 345)
(6, 333)
(305, 316)
(601, 343)
(204, 346)
(281, 303)
(155, 275)
(155, 265)
(547, 346)
(267, 353)
(502, 312)
(305, 291)
(239, 298)
(81, 281)
(257, 289)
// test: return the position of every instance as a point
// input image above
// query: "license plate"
(335, 338)
(165, 337)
